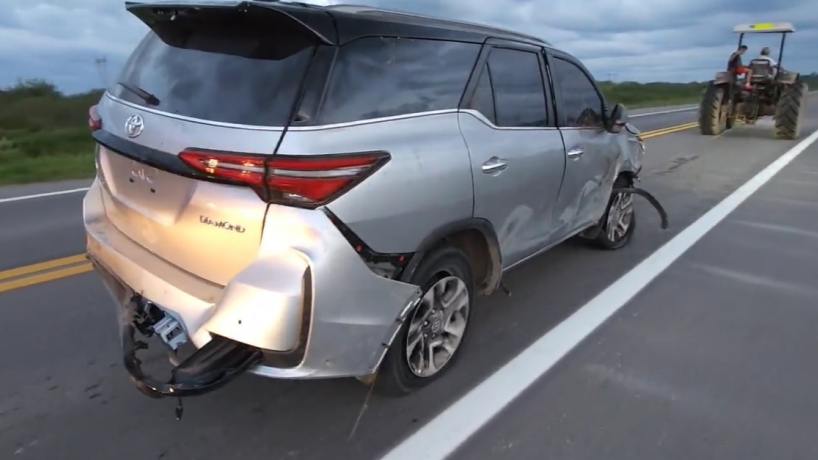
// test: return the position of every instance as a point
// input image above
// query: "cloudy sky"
(656, 40)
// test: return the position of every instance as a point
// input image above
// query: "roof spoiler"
(311, 20)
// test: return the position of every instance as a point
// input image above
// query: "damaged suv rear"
(310, 192)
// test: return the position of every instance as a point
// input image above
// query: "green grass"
(44, 134)
(634, 95)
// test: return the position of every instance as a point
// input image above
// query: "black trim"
(565, 57)
(439, 234)
(209, 368)
(482, 62)
(651, 199)
(341, 24)
(398, 261)
(151, 157)
(314, 21)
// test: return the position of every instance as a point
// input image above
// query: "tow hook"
(651, 199)
(210, 367)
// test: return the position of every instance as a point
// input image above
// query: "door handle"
(575, 153)
(494, 165)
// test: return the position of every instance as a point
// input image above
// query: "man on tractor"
(736, 68)
(734, 64)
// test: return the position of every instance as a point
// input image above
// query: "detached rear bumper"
(308, 302)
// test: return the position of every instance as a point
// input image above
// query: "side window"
(519, 99)
(483, 98)
(385, 76)
(580, 103)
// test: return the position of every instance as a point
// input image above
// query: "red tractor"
(764, 88)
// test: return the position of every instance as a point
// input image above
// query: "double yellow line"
(43, 272)
(669, 130)
(51, 270)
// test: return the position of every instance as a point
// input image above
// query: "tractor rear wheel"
(713, 111)
(789, 112)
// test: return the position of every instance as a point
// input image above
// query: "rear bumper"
(308, 301)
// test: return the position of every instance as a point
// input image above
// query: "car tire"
(441, 317)
(618, 223)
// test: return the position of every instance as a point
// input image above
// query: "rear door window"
(226, 76)
(385, 76)
(483, 98)
(580, 103)
(519, 96)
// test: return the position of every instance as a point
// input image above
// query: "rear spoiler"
(311, 20)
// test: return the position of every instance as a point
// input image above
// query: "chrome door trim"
(487, 122)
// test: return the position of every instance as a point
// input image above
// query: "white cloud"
(628, 39)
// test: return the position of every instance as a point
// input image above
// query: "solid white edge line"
(451, 428)
(42, 195)
(683, 109)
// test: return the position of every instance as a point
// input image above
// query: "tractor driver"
(765, 56)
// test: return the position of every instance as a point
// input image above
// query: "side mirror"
(616, 119)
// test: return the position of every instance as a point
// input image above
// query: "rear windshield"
(386, 76)
(229, 76)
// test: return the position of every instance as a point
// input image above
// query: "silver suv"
(305, 192)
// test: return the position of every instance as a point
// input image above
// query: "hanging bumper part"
(209, 368)
(651, 199)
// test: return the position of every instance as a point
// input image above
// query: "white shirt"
(768, 59)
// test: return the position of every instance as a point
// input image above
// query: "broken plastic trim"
(209, 368)
(651, 199)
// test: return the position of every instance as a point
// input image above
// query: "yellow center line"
(669, 130)
(46, 277)
(41, 266)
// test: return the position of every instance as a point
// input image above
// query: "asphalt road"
(699, 365)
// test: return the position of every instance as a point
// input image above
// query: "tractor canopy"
(764, 28)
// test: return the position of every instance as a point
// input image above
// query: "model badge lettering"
(223, 224)
(141, 174)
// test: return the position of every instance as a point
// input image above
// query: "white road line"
(448, 430)
(42, 195)
(683, 109)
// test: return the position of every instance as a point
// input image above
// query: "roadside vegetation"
(44, 134)
(635, 95)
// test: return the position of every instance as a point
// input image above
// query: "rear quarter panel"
(426, 184)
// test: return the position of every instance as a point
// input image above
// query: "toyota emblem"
(134, 125)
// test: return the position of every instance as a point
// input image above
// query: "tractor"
(758, 90)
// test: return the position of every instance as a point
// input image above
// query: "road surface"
(713, 359)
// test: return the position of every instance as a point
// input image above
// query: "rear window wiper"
(149, 98)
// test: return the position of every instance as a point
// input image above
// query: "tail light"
(94, 120)
(306, 181)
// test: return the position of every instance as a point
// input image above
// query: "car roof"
(418, 22)
(339, 24)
